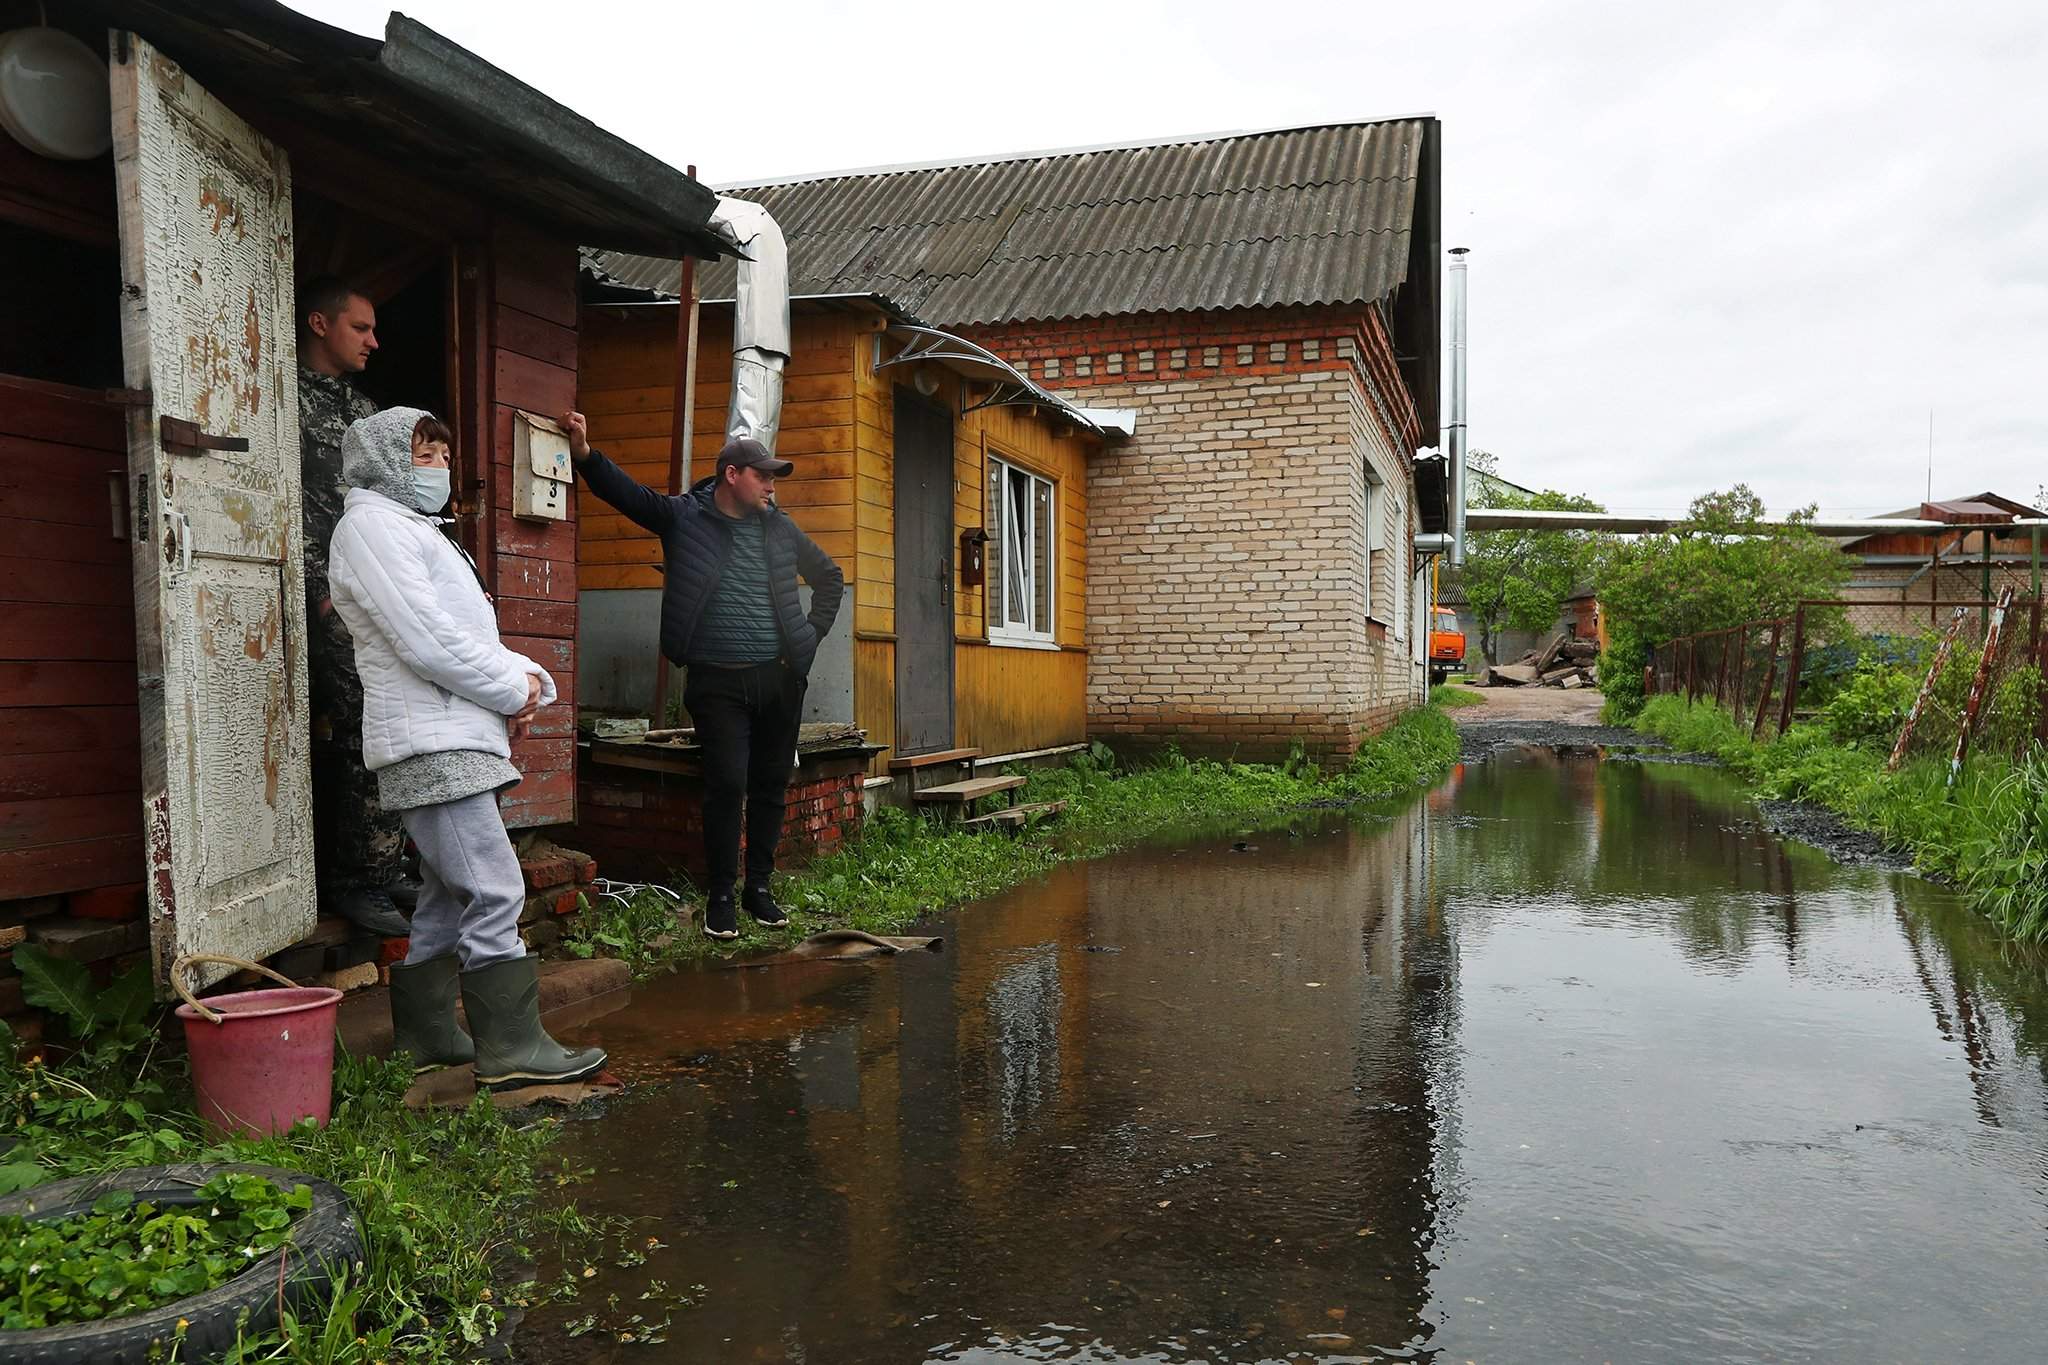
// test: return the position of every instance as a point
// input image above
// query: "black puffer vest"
(696, 543)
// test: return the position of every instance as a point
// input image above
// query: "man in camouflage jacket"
(358, 848)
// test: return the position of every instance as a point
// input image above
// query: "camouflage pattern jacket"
(327, 404)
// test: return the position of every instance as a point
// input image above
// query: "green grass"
(904, 867)
(1452, 695)
(1989, 835)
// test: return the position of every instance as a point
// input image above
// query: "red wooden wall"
(70, 776)
(532, 365)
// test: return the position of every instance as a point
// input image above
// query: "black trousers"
(746, 721)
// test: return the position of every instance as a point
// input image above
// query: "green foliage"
(1521, 579)
(1870, 709)
(1621, 670)
(127, 1256)
(1989, 835)
(1453, 696)
(1717, 569)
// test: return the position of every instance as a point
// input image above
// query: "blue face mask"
(429, 488)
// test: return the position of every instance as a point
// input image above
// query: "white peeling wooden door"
(207, 330)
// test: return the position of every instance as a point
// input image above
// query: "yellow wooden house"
(951, 490)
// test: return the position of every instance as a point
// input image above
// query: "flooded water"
(1567, 1060)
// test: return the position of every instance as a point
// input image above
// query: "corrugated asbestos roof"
(1298, 216)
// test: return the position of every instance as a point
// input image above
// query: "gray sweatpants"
(471, 889)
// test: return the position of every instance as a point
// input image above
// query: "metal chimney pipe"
(1454, 430)
(760, 328)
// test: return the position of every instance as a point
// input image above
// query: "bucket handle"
(215, 1016)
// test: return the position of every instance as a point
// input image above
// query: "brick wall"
(1227, 541)
(648, 825)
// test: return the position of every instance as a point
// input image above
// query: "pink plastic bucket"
(268, 1061)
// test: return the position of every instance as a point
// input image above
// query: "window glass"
(1023, 538)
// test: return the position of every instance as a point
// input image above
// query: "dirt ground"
(1580, 706)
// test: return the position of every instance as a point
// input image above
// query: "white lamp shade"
(54, 98)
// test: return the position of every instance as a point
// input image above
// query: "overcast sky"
(1710, 243)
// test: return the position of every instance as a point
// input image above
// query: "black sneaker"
(720, 921)
(763, 908)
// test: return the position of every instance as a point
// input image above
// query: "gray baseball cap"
(751, 454)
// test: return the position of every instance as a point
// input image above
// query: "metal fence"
(1982, 664)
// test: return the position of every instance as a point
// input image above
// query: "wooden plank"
(544, 579)
(78, 865)
(61, 543)
(75, 417)
(75, 584)
(533, 273)
(39, 631)
(535, 756)
(555, 654)
(534, 385)
(84, 501)
(974, 789)
(33, 823)
(58, 729)
(547, 798)
(87, 772)
(533, 616)
(613, 577)
(521, 332)
(554, 540)
(916, 761)
(37, 683)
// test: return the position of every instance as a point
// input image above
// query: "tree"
(1520, 579)
(1716, 569)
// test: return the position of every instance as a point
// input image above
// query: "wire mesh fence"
(1979, 664)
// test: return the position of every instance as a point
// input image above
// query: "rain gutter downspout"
(760, 325)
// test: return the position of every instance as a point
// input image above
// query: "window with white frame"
(1023, 543)
(1375, 542)
(1397, 568)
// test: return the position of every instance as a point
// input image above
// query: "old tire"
(324, 1244)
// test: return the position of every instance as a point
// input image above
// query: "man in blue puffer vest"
(731, 615)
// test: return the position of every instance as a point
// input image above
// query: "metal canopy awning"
(1008, 387)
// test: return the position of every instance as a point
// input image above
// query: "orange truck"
(1446, 645)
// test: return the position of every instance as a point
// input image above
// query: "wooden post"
(1763, 701)
(1798, 663)
(1934, 583)
(1941, 654)
(2041, 663)
(1741, 666)
(1993, 632)
(680, 431)
(1721, 675)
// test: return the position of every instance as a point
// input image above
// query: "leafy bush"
(126, 1257)
(1871, 707)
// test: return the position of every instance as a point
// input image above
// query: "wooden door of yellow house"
(1018, 680)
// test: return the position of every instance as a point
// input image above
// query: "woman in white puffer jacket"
(442, 697)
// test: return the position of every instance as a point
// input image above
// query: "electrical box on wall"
(541, 474)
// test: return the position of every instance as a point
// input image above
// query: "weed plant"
(1454, 696)
(1988, 835)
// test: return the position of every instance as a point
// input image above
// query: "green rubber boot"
(423, 1014)
(512, 1048)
